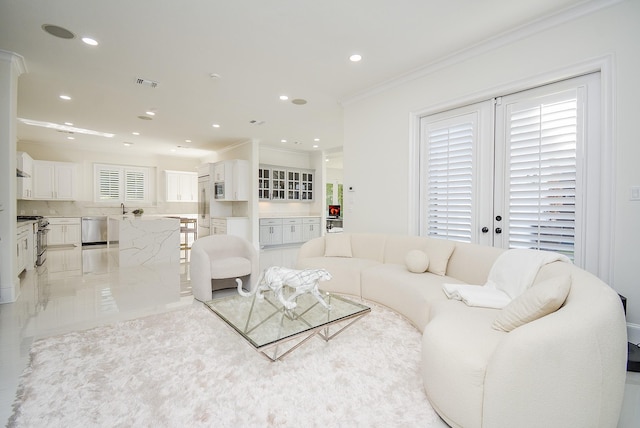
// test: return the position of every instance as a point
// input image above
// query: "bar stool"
(188, 234)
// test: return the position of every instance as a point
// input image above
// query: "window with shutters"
(527, 183)
(449, 178)
(122, 184)
(542, 140)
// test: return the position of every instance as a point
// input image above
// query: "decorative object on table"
(138, 212)
(302, 281)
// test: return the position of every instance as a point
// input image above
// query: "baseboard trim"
(633, 333)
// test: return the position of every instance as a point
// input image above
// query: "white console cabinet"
(288, 230)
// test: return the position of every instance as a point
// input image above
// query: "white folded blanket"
(486, 296)
(511, 274)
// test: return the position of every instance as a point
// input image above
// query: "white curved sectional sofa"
(565, 369)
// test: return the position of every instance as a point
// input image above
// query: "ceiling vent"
(146, 82)
(257, 122)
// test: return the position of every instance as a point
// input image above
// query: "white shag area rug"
(189, 369)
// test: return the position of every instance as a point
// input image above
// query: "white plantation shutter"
(115, 183)
(542, 171)
(449, 179)
(108, 188)
(135, 186)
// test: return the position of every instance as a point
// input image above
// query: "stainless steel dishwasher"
(94, 230)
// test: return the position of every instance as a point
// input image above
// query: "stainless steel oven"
(42, 241)
(41, 237)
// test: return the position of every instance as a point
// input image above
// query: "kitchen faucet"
(123, 211)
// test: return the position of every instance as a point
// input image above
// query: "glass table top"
(265, 322)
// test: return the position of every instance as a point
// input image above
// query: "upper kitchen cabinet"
(182, 186)
(277, 183)
(54, 180)
(24, 164)
(231, 180)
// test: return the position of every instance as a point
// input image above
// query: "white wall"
(378, 131)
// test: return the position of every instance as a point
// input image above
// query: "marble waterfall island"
(145, 240)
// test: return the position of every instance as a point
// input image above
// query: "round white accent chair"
(216, 262)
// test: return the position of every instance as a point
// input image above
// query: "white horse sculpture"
(302, 281)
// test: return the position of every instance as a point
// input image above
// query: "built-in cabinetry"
(54, 180)
(285, 184)
(25, 175)
(288, 230)
(231, 180)
(23, 253)
(181, 186)
(64, 231)
(238, 226)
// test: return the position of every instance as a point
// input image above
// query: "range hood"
(22, 174)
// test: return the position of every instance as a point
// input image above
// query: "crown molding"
(508, 37)
(16, 60)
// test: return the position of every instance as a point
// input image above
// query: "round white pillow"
(417, 261)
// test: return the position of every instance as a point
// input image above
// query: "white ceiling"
(260, 49)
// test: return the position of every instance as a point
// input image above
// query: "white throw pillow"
(337, 245)
(439, 252)
(417, 261)
(538, 301)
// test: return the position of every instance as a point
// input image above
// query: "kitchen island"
(145, 240)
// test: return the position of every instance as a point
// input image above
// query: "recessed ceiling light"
(283, 141)
(71, 138)
(187, 141)
(68, 123)
(90, 41)
(172, 150)
(355, 58)
(315, 146)
(316, 139)
(326, 160)
(135, 133)
(65, 97)
(284, 97)
(57, 31)
(215, 125)
(127, 144)
(151, 113)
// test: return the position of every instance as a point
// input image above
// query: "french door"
(517, 171)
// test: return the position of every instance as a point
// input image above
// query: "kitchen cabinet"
(64, 231)
(311, 228)
(291, 230)
(238, 226)
(22, 246)
(270, 231)
(54, 180)
(233, 178)
(181, 186)
(288, 230)
(25, 184)
(285, 184)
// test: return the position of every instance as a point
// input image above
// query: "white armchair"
(217, 260)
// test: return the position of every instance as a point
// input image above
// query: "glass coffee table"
(275, 331)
